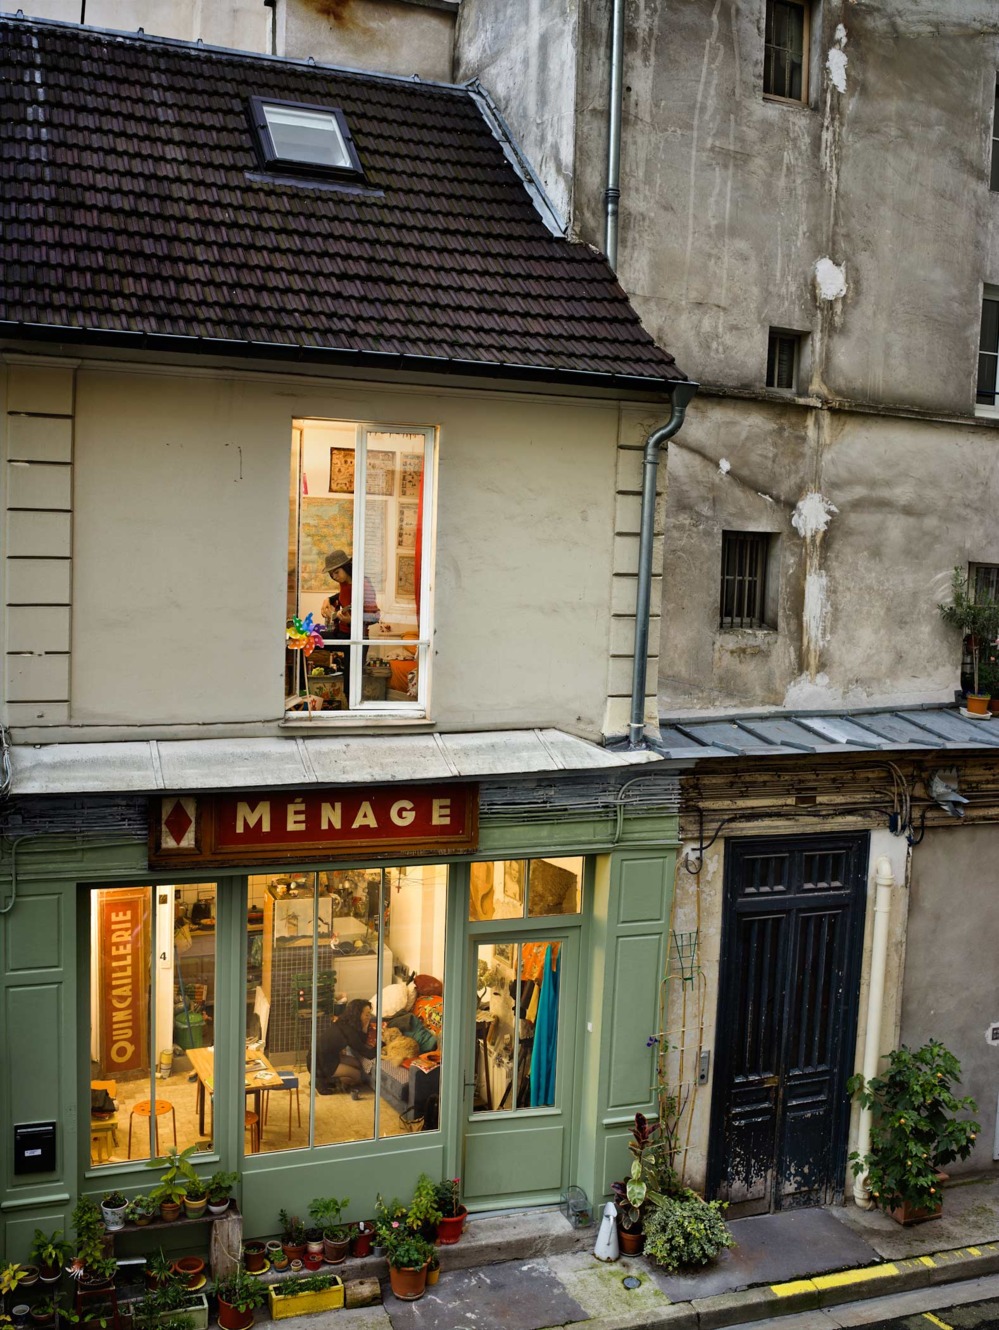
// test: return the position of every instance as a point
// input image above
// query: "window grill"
(743, 578)
(785, 40)
(985, 581)
(782, 360)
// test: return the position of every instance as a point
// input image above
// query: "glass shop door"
(519, 1048)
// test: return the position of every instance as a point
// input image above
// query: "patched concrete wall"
(391, 36)
(950, 988)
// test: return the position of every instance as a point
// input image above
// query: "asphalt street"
(972, 1305)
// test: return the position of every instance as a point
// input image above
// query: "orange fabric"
(532, 958)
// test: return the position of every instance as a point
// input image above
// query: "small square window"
(744, 601)
(296, 137)
(785, 50)
(782, 360)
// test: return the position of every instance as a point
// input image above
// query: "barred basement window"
(743, 600)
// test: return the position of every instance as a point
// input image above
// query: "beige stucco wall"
(179, 538)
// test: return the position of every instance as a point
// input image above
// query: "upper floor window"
(782, 360)
(984, 579)
(359, 541)
(746, 599)
(785, 50)
(994, 176)
(988, 351)
(295, 136)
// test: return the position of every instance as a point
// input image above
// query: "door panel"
(786, 1020)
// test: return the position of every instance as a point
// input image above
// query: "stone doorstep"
(802, 1295)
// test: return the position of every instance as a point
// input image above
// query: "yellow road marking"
(941, 1325)
(855, 1276)
(928, 1260)
(795, 1286)
(975, 1251)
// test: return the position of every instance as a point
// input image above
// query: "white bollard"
(607, 1248)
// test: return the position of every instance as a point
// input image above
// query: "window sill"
(357, 722)
(987, 412)
(786, 101)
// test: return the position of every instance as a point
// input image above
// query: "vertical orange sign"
(124, 934)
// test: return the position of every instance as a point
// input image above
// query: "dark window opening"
(988, 353)
(785, 43)
(985, 581)
(294, 136)
(743, 599)
(782, 360)
(994, 178)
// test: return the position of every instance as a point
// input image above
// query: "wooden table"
(203, 1062)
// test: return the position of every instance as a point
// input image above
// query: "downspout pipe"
(681, 395)
(884, 880)
(612, 194)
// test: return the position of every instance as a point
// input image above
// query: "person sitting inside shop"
(337, 611)
(341, 1048)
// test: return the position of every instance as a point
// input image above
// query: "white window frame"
(981, 408)
(419, 708)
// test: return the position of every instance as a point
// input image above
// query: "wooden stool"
(108, 1294)
(103, 1131)
(251, 1123)
(144, 1108)
(289, 1082)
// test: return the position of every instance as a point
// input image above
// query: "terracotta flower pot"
(361, 1242)
(631, 1240)
(336, 1250)
(254, 1255)
(230, 1318)
(408, 1282)
(918, 1214)
(190, 1269)
(978, 703)
(450, 1227)
(295, 1251)
(50, 1274)
(312, 1261)
(170, 1210)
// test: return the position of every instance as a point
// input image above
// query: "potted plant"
(238, 1294)
(408, 1255)
(684, 1230)
(423, 1214)
(190, 1271)
(361, 1237)
(48, 1251)
(142, 1210)
(178, 1177)
(196, 1198)
(255, 1255)
(220, 1184)
(92, 1262)
(310, 1293)
(11, 1276)
(158, 1270)
(113, 1208)
(327, 1211)
(453, 1213)
(433, 1270)
(386, 1213)
(914, 1131)
(978, 621)
(988, 675)
(651, 1180)
(43, 1312)
(171, 1304)
(292, 1236)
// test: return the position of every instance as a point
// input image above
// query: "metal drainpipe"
(681, 395)
(884, 880)
(613, 192)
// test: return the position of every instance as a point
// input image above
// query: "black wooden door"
(787, 1020)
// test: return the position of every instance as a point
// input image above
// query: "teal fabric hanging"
(545, 1052)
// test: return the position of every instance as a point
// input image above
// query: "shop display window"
(345, 989)
(152, 1015)
(516, 1025)
(525, 888)
(359, 568)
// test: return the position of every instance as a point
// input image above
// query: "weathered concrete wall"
(950, 985)
(390, 36)
(525, 53)
(243, 24)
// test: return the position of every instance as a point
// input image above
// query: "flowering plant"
(448, 1195)
(404, 1249)
(914, 1131)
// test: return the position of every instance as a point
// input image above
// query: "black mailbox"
(35, 1147)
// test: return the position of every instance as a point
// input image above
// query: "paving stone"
(598, 1285)
(517, 1295)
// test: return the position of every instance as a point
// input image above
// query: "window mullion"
(359, 571)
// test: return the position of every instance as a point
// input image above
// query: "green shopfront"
(191, 954)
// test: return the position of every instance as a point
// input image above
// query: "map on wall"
(326, 524)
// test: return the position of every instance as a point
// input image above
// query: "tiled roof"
(793, 733)
(135, 209)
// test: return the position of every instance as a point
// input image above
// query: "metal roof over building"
(138, 213)
(179, 765)
(792, 734)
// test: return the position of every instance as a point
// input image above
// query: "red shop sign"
(278, 826)
(124, 978)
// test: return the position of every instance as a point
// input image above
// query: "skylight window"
(293, 136)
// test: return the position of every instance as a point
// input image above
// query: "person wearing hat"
(337, 611)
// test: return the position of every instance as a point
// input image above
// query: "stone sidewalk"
(531, 1271)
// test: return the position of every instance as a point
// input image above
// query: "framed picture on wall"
(411, 474)
(405, 577)
(513, 880)
(406, 528)
(381, 472)
(342, 471)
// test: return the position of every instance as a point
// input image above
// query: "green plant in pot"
(447, 1196)
(423, 1214)
(327, 1212)
(651, 1180)
(142, 1210)
(158, 1270)
(113, 1208)
(977, 619)
(408, 1256)
(92, 1262)
(988, 674)
(220, 1185)
(238, 1294)
(195, 1198)
(48, 1252)
(685, 1231)
(914, 1130)
(292, 1236)
(178, 1177)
